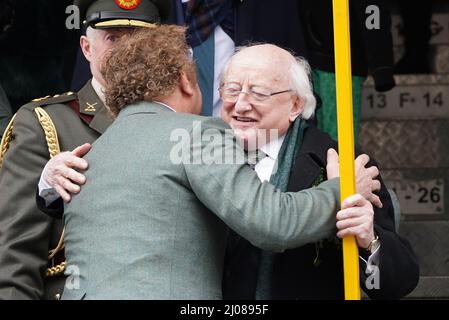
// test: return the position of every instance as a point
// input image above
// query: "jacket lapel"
(304, 172)
(311, 158)
(90, 105)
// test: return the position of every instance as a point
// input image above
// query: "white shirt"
(165, 105)
(98, 88)
(264, 168)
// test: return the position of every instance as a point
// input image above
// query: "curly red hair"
(145, 65)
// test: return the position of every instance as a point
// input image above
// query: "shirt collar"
(99, 90)
(272, 148)
(165, 105)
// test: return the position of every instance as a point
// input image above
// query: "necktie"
(263, 287)
(254, 156)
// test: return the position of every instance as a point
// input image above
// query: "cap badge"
(128, 4)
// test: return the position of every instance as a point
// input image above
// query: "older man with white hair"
(265, 88)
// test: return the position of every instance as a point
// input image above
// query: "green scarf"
(287, 154)
(284, 164)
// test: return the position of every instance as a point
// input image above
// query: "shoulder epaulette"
(58, 98)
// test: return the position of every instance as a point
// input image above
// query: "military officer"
(32, 258)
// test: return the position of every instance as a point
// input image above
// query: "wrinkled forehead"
(262, 70)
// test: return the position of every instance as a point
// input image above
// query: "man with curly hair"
(152, 220)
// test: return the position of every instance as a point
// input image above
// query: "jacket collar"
(91, 105)
(145, 107)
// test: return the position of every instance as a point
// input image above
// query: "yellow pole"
(342, 46)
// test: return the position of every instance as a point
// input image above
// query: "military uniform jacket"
(26, 234)
(315, 270)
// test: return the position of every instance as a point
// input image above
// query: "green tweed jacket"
(147, 226)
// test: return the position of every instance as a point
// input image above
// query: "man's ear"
(297, 108)
(186, 84)
(85, 47)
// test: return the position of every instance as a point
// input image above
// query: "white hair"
(223, 72)
(301, 84)
(300, 80)
(91, 33)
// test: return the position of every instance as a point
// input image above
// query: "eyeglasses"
(231, 92)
